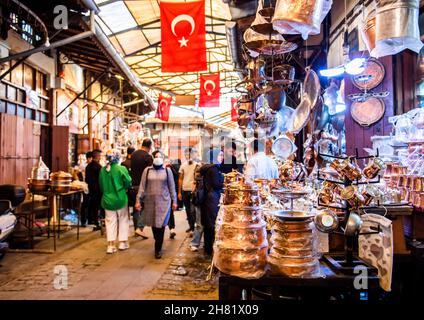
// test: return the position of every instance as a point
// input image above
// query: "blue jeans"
(138, 219)
(198, 230)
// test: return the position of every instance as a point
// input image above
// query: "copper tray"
(371, 77)
(368, 112)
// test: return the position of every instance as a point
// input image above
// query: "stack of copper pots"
(241, 244)
(410, 186)
(294, 250)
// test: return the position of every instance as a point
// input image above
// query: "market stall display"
(241, 244)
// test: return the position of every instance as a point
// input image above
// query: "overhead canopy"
(134, 29)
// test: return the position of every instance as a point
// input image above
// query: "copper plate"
(368, 112)
(371, 77)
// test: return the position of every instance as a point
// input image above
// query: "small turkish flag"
(183, 36)
(234, 113)
(164, 106)
(209, 90)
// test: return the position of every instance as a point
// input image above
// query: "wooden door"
(60, 148)
(19, 149)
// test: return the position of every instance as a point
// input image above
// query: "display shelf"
(350, 241)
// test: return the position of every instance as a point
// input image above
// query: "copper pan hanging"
(368, 111)
(371, 77)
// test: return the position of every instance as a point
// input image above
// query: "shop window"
(2, 90)
(2, 106)
(27, 32)
(20, 111)
(4, 68)
(44, 118)
(21, 96)
(11, 93)
(30, 114)
(17, 74)
(11, 108)
(29, 77)
(43, 104)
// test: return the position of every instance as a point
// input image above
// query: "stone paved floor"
(92, 274)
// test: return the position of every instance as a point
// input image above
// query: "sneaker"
(172, 234)
(140, 233)
(158, 255)
(194, 249)
(123, 245)
(111, 249)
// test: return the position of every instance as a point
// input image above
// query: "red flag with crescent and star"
(234, 113)
(183, 36)
(209, 90)
(164, 106)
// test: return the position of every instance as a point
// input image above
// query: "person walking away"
(85, 196)
(171, 223)
(198, 229)
(230, 159)
(140, 160)
(186, 186)
(261, 166)
(127, 162)
(114, 182)
(157, 190)
(213, 186)
(92, 173)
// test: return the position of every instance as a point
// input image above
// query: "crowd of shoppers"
(151, 185)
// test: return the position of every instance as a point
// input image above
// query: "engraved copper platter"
(371, 77)
(368, 112)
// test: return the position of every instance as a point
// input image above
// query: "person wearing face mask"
(114, 181)
(157, 190)
(213, 180)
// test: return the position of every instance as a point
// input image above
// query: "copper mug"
(418, 184)
(402, 181)
(350, 170)
(373, 168)
(352, 196)
(368, 197)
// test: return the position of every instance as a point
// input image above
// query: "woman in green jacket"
(114, 182)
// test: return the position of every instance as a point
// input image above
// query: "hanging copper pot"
(297, 17)
(283, 74)
(368, 31)
(397, 27)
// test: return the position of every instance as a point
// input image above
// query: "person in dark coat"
(92, 173)
(230, 159)
(127, 162)
(213, 185)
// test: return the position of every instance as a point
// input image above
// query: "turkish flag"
(164, 106)
(183, 36)
(209, 90)
(234, 113)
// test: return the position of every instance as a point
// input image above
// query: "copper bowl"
(241, 216)
(38, 185)
(240, 262)
(293, 269)
(306, 243)
(300, 226)
(253, 235)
